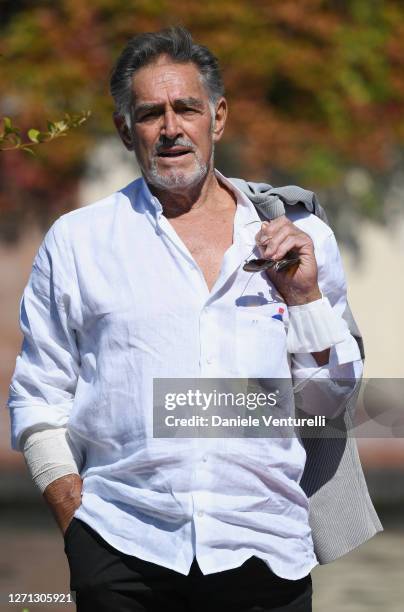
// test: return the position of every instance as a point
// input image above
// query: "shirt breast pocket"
(261, 341)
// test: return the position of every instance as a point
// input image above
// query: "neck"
(176, 202)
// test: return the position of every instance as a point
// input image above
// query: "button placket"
(206, 332)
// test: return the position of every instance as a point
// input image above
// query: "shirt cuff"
(316, 326)
(347, 351)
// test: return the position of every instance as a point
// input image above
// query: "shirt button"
(209, 360)
(204, 459)
(200, 513)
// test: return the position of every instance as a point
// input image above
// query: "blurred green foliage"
(314, 86)
(11, 140)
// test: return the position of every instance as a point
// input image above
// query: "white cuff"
(314, 327)
(49, 456)
(347, 351)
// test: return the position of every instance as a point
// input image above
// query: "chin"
(176, 178)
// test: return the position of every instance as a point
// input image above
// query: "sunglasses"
(257, 265)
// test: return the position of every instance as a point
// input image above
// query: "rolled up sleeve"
(44, 381)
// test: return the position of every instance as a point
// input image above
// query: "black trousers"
(105, 579)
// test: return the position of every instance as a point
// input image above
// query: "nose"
(171, 127)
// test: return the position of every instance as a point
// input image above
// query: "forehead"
(165, 78)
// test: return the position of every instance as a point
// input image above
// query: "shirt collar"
(246, 212)
(246, 220)
(151, 202)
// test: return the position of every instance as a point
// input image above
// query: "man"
(149, 284)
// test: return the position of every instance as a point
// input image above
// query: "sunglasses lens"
(255, 265)
(286, 263)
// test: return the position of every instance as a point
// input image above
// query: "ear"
(123, 131)
(220, 119)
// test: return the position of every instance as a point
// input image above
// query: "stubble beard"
(176, 179)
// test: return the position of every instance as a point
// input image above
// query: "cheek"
(145, 142)
(202, 138)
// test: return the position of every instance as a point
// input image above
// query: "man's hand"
(297, 284)
(63, 497)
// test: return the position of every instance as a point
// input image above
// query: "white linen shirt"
(114, 300)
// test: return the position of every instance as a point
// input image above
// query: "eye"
(188, 111)
(149, 116)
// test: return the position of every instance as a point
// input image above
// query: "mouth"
(174, 152)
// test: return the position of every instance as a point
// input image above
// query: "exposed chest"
(207, 238)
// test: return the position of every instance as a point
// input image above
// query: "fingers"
(270, 229)
(288, 243)
(272, 246)
(279, 236)
(264, 235)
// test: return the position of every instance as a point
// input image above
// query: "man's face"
(173, 129)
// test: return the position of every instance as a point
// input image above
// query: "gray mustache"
(166, 143)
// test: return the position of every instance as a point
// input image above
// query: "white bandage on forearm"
(49, 454)
(314, 327)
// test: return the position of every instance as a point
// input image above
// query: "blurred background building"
(316, 93)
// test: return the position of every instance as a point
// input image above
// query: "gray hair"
(143, 49)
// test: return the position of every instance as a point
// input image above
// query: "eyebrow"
(179, 102)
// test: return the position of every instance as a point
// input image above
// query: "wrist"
(296, 298)
(63, 497)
